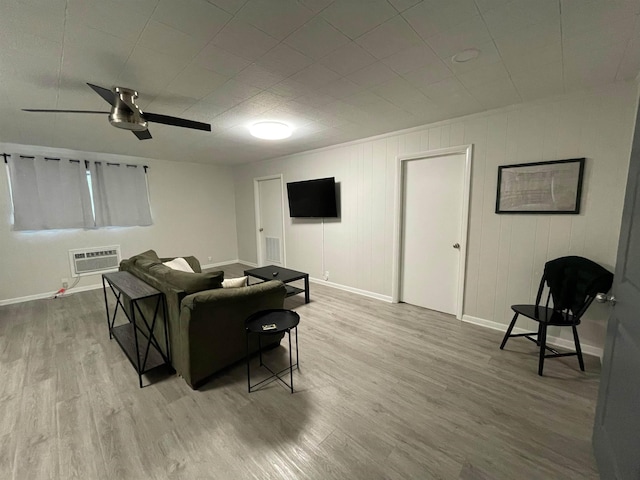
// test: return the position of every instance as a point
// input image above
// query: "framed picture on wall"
(543, 187)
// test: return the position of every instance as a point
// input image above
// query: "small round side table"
(272, 322)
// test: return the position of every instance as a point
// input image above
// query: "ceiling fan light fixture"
(125, 113)
(466, 55)
(270, 130)
(127, 120)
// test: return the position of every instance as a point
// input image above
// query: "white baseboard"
(556, 341)
(247, 263)
(85, 288)
(40, 296)
(364, 293)
(221, 264)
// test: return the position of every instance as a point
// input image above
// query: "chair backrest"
(573, 284)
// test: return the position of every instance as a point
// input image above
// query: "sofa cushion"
(187, 282)
(179, 264)
(146, 263)
(149, 254)
(146, 260)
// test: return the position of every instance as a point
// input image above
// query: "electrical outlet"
(326, 275)
(65, 282)
(209, 258)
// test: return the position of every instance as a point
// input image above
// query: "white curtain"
(49, 193)
(120, 194)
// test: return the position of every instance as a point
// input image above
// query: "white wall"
(506, 253)
(193, 213)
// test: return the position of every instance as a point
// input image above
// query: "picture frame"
(553, 187)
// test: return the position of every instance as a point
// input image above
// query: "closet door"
(431, 230)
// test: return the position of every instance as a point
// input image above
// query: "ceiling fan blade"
(105, 93)
(61, 111)
(142, 134)
(176, 122)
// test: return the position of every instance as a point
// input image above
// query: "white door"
(270, 222)
(616, 432)
(432, 205)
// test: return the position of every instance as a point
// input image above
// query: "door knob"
(604, 298)
(262, 229)
(456, 245)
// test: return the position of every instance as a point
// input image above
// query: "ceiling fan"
(127, 115)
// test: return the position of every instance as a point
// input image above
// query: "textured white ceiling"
(334, 70)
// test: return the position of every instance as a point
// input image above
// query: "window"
(93, 205)
(53, 193)
(119, 194)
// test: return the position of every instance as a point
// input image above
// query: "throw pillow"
(179, 264)
(234, 282)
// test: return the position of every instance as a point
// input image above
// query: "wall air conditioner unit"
(94, 260)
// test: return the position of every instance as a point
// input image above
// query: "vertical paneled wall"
(506, 253)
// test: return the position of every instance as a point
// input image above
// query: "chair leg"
(578, 349)
(542, 341)
(506, 335)
(539, 336)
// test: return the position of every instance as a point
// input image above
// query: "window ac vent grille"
(94, 260)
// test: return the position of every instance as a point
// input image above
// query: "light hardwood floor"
(384, 392)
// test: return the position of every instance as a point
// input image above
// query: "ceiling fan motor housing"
(125, 113)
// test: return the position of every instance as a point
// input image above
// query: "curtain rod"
(86, 162)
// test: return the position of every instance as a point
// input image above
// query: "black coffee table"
(285, 275)
(272, 322)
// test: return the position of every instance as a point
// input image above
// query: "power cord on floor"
(63, 291)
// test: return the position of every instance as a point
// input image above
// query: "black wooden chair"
(572, 284)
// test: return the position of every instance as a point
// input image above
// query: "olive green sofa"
(205, 322)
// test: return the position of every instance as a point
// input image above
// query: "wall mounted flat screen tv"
(313, 198)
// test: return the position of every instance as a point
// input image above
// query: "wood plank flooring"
(383, 392)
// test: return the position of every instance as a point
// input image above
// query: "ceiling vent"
(94, 260)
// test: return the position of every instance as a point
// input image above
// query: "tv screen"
(313, 198)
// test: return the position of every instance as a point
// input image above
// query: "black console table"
(140, 346)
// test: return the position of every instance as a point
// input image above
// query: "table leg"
(248, 368)
(297, 355)
(135, 336)
(290, 362)
(166, 328)
(306, 289)
(106, 306)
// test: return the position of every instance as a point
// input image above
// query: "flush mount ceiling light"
(465, 55)
(270, 130)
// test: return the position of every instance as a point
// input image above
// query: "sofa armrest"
(194, 264)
